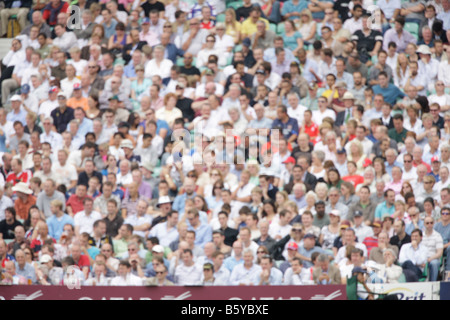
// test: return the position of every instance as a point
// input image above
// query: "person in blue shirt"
(189, 193)
(308, 248)
(389, 91)
(387, 207)
(288, 125)
(58, 220)
(203, 231)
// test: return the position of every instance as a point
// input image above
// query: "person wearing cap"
(362, 230)
(344, 111)
(78, 100)
(307, 249)
(17, 113)
(428, 66)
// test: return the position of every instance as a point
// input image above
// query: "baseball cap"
(146, 20)
(77, 86)
(16, 97)
(341, 151)
(25, 89)
(376, 224)
(158, 248)
(309, 235)
(45, 258)
(260, 71)
(336, 213)
(53, 89)
(148, 166)
(312, 85)
(292, 246)
(358, 270)
(358, 214)
(289, 160)
(62, 94)
(181, 85)
(126, 144)
(435, 159)
(345, 224)
(246, 42)
(123, 124)
(115, 97)
(341, 85)
(209, 72)
(208, 266)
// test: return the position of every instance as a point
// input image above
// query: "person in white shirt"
(158, 65)
(295, 109)
(323, 112)
(432, 240)
(125, 277)
(296, 274)
(166, 232)
(64, 39)
(84, 220)
(210, 49)
(140, 221)
(281, 228)
(189, 272)
(354, 24)
(440, 97)
(246, 273)
(350, 239)
(413, 257)
(362, 230)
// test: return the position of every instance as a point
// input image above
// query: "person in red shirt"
(82, 261)
(17, 173)
(75, 202)
(352, 177)
(207, 21)
(40, 236)
(309, 127)
(372, 242)
(52, 9)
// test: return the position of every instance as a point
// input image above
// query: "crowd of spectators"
(225, 143)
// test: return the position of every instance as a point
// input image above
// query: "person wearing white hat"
(127, 146)
(17, 112)
(344, 114)
(428, 66)
(25, 199)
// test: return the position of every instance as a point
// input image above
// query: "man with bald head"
(23, 268)
(38, 21)
(189, 69)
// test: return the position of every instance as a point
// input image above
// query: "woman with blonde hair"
(307, 26)
(280, 198)
(402, 70)
(253, 168)
(357, 155)
(233, 27)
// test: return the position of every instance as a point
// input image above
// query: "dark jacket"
(23, 3)
(173, 52)
(269, 243)
(126, 52)
(278, 248)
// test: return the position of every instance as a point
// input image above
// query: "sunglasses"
(258, 252)
(160, 272)
(428, 223)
